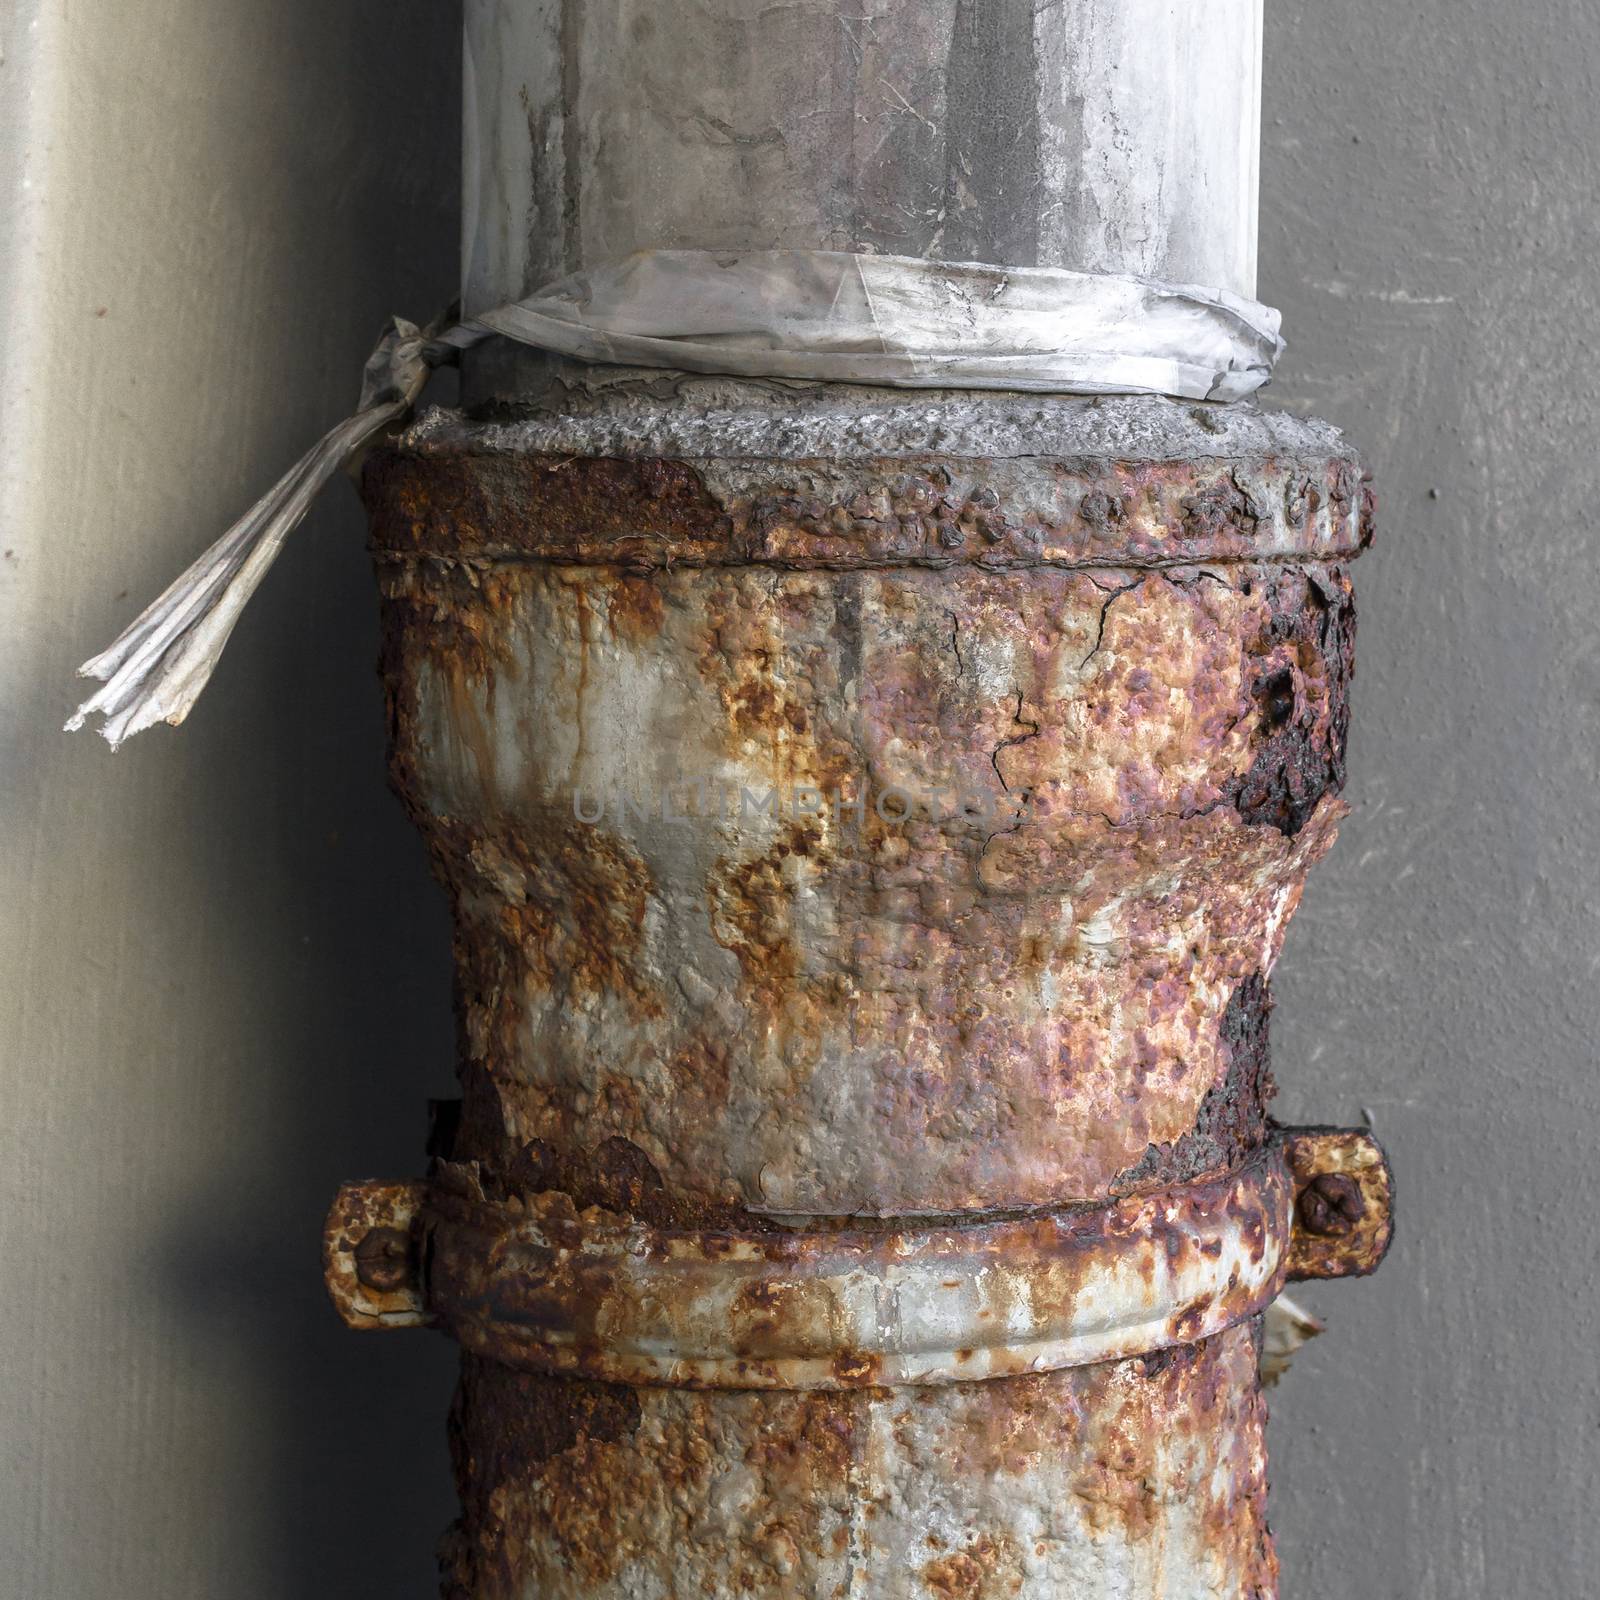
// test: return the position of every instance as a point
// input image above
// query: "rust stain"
(634, 607)
(985, 1570)
(750, 900)
(568, 1487)
(854, 1367)
(1135, 729)
(563, 905)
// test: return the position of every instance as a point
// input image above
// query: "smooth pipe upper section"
(1107, 135)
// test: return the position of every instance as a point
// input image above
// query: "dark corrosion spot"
(1276, 698)
(1156, 1362)
(856, 1366)
(616, 1176)
(506, 1427)
(1301, 663)
(479, 1125)
(1232, 1121)
(1331, 1204)
(386, 1259)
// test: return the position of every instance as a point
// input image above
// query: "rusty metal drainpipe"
(870, 820)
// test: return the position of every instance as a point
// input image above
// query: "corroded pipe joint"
(870, 827)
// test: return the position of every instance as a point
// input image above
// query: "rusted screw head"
(1099, 510)
(1331, 1204)
(383, 1259)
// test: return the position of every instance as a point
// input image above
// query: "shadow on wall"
(324, 895)
(351, 1459)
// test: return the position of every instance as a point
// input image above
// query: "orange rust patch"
(941, 511)
(568, 898)
(458, 503)
(750, 902)
(985, 1570)
(447, 616)
(856, 1367)
(634, 608)
(766, 651)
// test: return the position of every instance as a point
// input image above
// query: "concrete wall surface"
(225, 971)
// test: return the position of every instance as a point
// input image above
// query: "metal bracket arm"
(536, 1283)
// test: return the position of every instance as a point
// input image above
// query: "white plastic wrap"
(845, 317)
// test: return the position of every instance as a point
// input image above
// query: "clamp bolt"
(383, 1259)
(1331, 1204)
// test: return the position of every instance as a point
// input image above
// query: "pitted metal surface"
(1079, 483)
(1140, 1478)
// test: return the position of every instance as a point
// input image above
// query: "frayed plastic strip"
(155, 670)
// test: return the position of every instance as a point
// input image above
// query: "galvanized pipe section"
(1104, 135)
(692, 690)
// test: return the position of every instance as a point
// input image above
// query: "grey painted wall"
(1431, 231)
(227, 972)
